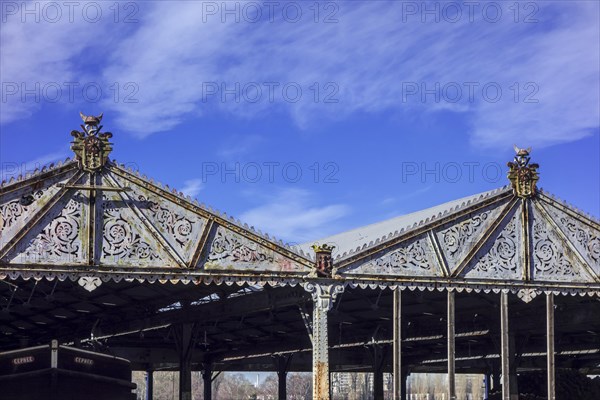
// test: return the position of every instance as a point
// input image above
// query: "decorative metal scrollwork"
(501, 257)
(119, 238)
(60, 238)
(549, 260)
(414, 256)
(455, 237)
(229, 247)
(12, 211)
(177, 225)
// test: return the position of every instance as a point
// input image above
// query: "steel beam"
(550, 346)
(397, 347)
(451, 347)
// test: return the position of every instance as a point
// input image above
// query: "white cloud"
(42, 55)
(192, 187)
(371, 54)
(293, 215)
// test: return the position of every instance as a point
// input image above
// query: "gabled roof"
(114, 220)
(357, 238)
(495, 237)
(92, 219)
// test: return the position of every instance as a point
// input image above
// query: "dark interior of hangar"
(246, 328)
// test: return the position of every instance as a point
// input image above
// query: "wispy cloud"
(192, 187)
(373, 55)
(294, 215)
(239, 145)
(48, 54)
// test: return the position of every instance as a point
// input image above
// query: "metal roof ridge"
(555, 199)
(453, 209)
(6, 183)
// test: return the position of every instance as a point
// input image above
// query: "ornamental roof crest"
(523, 175)
(91, 147)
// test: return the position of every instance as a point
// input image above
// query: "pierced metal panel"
(17, 207)
(583, 236)
(179, 226)
(229, 250)
(552, 258)
(125, 241)
(502, 256)
(413, 257)
(458, 237)
(59, 236)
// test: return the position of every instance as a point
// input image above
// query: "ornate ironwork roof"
(92, 219)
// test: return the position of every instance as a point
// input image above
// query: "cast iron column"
(451, 348)
(397, 347)
(323, 296)
(550, 345)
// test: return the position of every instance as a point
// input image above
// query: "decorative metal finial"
(523, 175)
(323, 260)
(90, 146)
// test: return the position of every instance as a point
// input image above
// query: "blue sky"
(309, 118)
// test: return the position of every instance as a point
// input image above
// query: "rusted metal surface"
(505, 346)
(323, 259)
(323, 296)
(451, 347)
(398, 378)
(551, 375)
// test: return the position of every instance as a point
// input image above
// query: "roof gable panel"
(125, 241)
(457, 238)
(502, 256)
(553, 259)
(583, 234)
(180, 227)
(15, 209)
(57, 238)
(414, 257)
(229, 250)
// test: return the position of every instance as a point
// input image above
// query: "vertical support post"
(207, 380)
(550, 346)
(398, 376)
(323, 296)
(149, 384)
(504, 339)
(185, 341)
(282, 364)
(377, 373)
(451, 347)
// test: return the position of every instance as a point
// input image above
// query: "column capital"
(323, 294)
